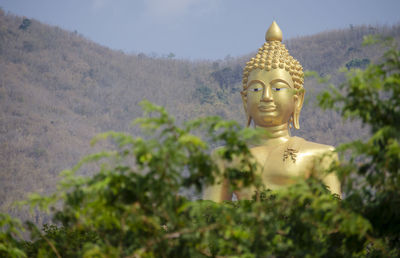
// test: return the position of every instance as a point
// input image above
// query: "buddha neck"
(275, 135)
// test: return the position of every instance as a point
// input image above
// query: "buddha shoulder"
(315, 153)
(312, 147)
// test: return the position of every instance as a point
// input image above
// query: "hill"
(59, 89)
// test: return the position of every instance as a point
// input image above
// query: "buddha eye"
(256, 89)
(279, 86)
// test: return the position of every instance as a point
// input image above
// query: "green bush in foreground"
(134, 206)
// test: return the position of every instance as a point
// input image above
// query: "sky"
(200, 29)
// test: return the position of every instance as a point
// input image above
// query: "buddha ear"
(244, 100)
(299, 100)
(249, 121)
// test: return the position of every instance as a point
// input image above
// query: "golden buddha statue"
(273, 96)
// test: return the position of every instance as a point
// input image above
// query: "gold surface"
(273, 33)
(273, 96)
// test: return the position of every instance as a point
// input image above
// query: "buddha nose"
(267, 94)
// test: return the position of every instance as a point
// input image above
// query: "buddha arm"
(333, 183)
(331, 180)
(220, 190)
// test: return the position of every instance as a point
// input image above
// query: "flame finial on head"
(273, 55)
(274, 33)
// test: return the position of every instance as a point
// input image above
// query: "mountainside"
(58, 90)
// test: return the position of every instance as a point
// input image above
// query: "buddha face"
(271, 98)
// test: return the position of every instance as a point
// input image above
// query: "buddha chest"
(280, 165)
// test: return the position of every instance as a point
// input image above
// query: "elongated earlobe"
(296, 123)
(244, 100)
(248, 121)
(297, 109)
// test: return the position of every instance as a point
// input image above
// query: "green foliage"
(171, 56)
(137, 208)
(203, 94)
(10, 229)
(25, 24)
(358, 63)
(305, 219)
(228, 76)
(57, 241)
(371, 176)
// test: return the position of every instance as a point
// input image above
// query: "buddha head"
(273, 91)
